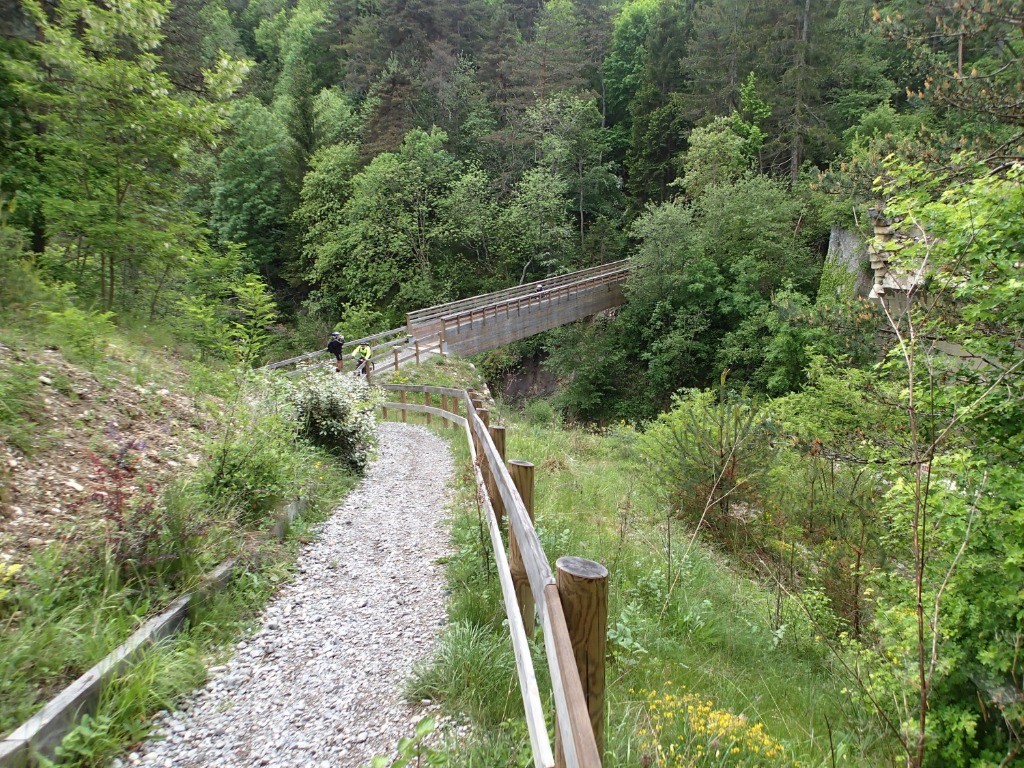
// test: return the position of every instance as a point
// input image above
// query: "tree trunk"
(800, 63)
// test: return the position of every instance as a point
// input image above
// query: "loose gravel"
(320, 683)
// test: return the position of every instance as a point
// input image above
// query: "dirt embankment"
(94, 441)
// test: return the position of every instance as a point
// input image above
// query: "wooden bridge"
(481, 323)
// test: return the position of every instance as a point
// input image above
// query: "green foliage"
(255, 189)
(705, 628)
(93, 81)
(361, 320)
(707, 456)
(80, 334)
(412, 748)
(336, 412)
(20, 403)
(473, 672)
(225, 311)
(390, 229)
(256, 312)
(248, 471)
(22, 291)
(90, 742)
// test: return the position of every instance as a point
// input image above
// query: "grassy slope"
(71, 599)
(707, 631)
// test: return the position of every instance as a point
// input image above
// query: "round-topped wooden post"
(498, 438)
(523, 479)
(583, 589)
(426, 402)
(402, 393)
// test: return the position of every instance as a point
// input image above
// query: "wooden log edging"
(44, 731)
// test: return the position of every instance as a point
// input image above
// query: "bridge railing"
(429, 316)
(574, 649)
(518, 303)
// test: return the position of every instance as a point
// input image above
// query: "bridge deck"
(484, 322)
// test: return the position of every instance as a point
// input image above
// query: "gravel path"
(320, 683)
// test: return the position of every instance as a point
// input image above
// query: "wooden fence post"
(395, 350)
(498, 438)
(426, 402)
(523, 478)
(485, 465)
(444, 407)
(417, 351)
(385, 412)
(403, 403)
(454, 404)
(583, 590)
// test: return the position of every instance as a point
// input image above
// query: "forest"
(248, 175)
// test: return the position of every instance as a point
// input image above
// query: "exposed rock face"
(847, 248)
(14, 22)
(527, 381)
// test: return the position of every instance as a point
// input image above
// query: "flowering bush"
(336, 412)
(682, 729)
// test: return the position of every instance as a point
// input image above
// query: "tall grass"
(686, 624)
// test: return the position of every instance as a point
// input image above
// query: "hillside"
(74, 437)
(192, 188)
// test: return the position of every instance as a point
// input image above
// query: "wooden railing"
(574, 648)
(517, 303)
(380, 345)
(428, 320)
(480, 328)
(390, 357)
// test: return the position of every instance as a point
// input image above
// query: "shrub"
(540, 413)
(708, 455)
(335, 412)
(81, 334)
(252, 466)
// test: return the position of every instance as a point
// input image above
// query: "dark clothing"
(334, 347)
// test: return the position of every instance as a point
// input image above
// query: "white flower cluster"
(336, 411)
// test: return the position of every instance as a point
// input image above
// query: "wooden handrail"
(517, 301)
(423, 316)
(577, 744)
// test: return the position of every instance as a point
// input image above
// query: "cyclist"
(362, 354)
(334, 346)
